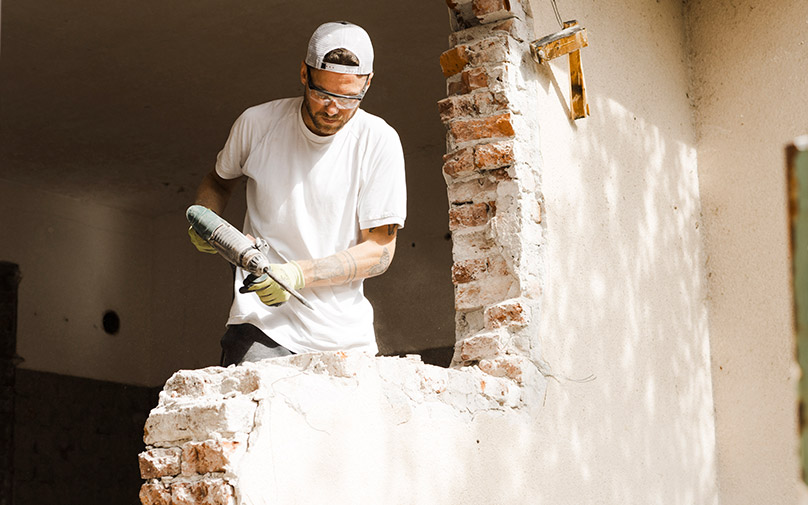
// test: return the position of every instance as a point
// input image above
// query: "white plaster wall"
(750, 65)
(625, 289)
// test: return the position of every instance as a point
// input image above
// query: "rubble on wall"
(206, 419)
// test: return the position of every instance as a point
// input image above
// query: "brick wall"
(492, 173)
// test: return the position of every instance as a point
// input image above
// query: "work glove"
(201, 244)
(269, 291)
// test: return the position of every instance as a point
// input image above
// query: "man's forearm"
(367, 259)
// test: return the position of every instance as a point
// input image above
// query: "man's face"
(325, 117)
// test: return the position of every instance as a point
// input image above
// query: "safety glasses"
(326, 97)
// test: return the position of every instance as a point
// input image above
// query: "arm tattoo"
(381, 267)
(350, 262)
(328, 268)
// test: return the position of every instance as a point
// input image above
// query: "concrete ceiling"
(127, 103)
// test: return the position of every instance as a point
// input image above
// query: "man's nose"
(332, 108)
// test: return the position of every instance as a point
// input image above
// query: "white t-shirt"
(309, 197)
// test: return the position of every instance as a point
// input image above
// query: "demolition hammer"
(235, 247)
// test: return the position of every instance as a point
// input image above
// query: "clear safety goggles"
(326, 97)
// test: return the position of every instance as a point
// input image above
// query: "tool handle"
(234, 246)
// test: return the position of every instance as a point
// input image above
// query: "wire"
(557, 15)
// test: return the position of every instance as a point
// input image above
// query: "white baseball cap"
(340, 35)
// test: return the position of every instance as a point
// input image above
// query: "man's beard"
(322, 127)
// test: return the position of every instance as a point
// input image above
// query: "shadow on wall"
(625, 292)
(625, 300)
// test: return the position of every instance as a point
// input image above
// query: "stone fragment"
(154, 493)
(488, 50)
(509, 313)
(202, 492)
(477, 268)
(456, 107)
(466, 216)
(199, 421)
(210, 382)
(208, 456)
(158, 463)
(477, 294)
(482, 189)
(481, 346)
(484, 10)
(459, 163)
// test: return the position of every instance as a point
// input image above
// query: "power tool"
(237, 248)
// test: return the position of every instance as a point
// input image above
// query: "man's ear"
(370, 78)
(303, 73)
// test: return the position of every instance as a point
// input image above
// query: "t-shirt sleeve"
(383, 196)
(233, 156)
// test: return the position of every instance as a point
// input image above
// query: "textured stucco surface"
(625, 293)
(749, 70)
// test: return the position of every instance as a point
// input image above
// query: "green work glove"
(201, 244)
(269, 291)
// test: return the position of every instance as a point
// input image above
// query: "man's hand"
(201, 244)
(269, 291)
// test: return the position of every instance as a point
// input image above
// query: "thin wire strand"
(557, 15)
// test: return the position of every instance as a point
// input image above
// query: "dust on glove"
(269, 291)
(201, 244)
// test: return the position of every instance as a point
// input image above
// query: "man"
(325, 186)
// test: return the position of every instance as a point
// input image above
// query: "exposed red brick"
(158, 463)
(489, 50)
(475, 78)
(481, 346)
(207, 457)
(473, 242)
(507, 26)
(467, 271)
(203, 492)
(154, 493)
(516, 368)
(489, 103)
(459, 162)
(500, 174)
(484, 128)
(482, 8)
(493, 155)
(458, 87)
(465, 216)
(454, 60)
(505, 314)
(455, 107)
(477, 268)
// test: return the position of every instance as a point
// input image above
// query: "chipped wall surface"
(341, 428)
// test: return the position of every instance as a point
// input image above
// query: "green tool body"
(234, 246)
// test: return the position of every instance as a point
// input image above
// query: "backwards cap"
(340, 35)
